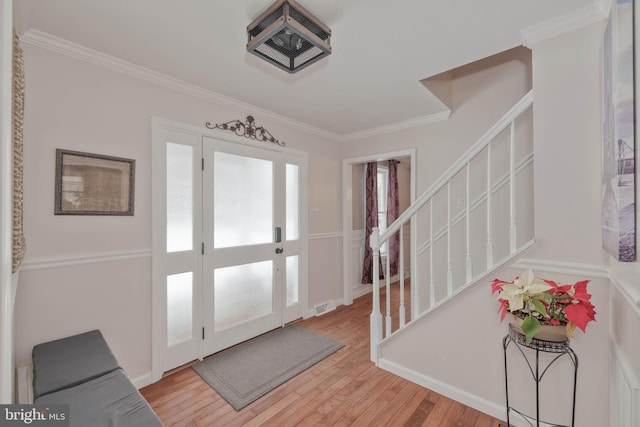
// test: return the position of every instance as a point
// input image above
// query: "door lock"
(279, 250)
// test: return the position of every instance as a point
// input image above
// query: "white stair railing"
(496, 179)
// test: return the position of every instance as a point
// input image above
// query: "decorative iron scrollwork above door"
(248, 129)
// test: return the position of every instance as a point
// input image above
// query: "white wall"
(459, 350)
(625, 292)
(84, 272)
(75, 105)
(568, 147)
(446, 349)
(479, 100)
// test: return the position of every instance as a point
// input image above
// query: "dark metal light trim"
(288, 36)
(248, 129)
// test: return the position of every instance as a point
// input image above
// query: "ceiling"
(381, 49)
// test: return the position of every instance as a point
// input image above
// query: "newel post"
(376, 316)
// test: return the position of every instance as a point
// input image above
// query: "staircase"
(476, 218)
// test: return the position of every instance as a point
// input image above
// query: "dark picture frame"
(93, 184)
(619, 171)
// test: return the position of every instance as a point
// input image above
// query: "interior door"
(243, 273)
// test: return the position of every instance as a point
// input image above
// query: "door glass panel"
(243, 200)
(242, 293)
(179, 307)
(179, 197)
(292, 280)
(293, 211)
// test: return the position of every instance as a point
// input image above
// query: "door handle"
(279, 250)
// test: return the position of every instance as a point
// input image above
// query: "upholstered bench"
(81, 371)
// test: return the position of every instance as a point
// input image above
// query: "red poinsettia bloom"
(541, 301)
(581, 293)
(557, 289)
(496, 286)
(580, 314)
(503, 309)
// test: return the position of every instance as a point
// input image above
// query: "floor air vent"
(325, 307)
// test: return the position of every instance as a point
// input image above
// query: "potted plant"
(540, 302)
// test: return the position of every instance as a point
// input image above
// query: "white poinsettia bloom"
(526, 284)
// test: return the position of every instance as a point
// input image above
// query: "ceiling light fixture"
(288, 36)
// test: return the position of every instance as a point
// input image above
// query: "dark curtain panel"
(371, 190)
(393, 210)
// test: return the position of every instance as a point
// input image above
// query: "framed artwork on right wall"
(618, 171)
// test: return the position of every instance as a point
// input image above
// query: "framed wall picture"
(618, 183)
(93, 184)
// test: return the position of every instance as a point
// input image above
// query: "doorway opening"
(353, 215)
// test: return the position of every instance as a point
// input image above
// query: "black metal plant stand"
(562, 348)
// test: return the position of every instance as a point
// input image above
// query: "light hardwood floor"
(342, 390)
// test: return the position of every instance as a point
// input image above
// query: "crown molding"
(83, 53)
(604, 6)
(407, 124)
(554, 27)
(65, 47)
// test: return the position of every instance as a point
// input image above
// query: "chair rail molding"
(319, 236)
(31, 264)
(627, 290)
(595, 271)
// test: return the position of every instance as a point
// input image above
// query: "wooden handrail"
(473, 151)
(377, 239)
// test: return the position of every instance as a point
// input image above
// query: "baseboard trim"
(360, 290)
(466, 398)
(24, 383)
(142, 380)
(312, 313)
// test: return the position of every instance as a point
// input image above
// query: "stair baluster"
(460, 264)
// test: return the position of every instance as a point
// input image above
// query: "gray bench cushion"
(110, 400)
(70, 361)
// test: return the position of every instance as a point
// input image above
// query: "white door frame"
(158, 175)
(347, 213)
(8, 280)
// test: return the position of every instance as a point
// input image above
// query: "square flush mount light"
(288, 36)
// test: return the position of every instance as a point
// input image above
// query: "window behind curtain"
(383, 181)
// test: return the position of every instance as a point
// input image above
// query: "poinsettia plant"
(541, 301)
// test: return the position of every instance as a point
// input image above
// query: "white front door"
(229, 257)
(243, 263)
